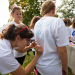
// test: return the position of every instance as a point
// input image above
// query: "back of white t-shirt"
(50, 33)
(33, 36)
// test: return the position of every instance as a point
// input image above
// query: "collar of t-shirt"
(16, 23)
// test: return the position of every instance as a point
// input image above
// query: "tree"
(67, 9)
(30, 8)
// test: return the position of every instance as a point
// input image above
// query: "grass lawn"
(29, 58)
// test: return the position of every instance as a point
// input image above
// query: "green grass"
(28, 60)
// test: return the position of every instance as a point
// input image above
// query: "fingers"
(38, 48)
(34, 43)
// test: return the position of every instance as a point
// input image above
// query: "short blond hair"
(47, 6)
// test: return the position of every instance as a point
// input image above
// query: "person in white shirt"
(67, 24)
(51, 34)
(16, 14)
(16, 37)
(31, 26)
(72, 29)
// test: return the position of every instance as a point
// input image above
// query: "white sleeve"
(61, 35)
(8, 64)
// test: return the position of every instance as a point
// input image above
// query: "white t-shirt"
(68, 31)
(33, 39)
(8, 63)
(33, 36)
(16, 53)
(50, 33)
(72, 33)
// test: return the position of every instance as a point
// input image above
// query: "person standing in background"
(67, 24)
(72, 28)
(51, 34)
(31, 27)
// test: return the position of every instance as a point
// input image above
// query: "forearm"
(26, 49)
(23, 50)
(31, 65)
(63, 57)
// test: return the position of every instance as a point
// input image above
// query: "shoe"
(36, 71)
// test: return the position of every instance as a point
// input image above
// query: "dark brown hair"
(47, 6)
(73, 24)
(67, 22)
(10, 32)
(33, 21)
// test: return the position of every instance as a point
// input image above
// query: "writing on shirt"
(41, 28)
(40, 33)
(42, 25)
(73, 33)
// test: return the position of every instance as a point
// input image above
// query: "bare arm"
(24, 50)
(64, 59)
(31, 65)
(27, 48)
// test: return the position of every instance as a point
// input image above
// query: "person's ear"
(18, 38)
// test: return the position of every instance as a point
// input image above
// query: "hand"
(33, 44)
(64, 71)
(70, 39)
(38, 49)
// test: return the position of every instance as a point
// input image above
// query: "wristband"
(35, 59)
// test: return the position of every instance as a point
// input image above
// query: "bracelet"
(35, 59)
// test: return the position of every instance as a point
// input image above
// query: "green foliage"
(67, 9)
(30, 8)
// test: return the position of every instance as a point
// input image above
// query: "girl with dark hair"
(72, 28)
(16, 37)
(67, 24)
